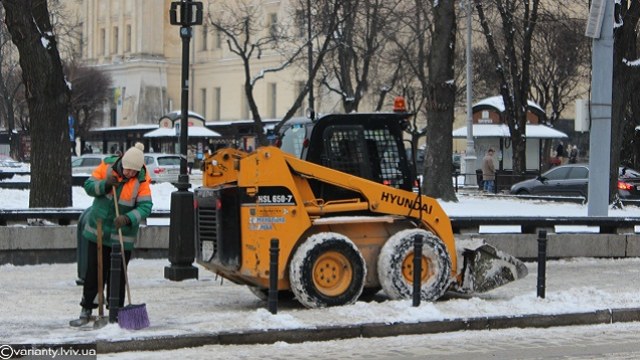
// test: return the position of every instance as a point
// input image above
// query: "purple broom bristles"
(133, 317)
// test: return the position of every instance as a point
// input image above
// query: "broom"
(132, 317)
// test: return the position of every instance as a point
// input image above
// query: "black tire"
(327, 270)
(522, 192)
(395, 266)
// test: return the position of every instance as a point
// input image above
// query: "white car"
(162, 167)
(86, 163)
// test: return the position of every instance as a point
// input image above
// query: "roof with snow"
(502, 131)
(497, 103)
(193, 131)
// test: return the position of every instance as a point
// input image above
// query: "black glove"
(120, 221)
(110, 181)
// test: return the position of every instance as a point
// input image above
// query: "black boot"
(85, 316)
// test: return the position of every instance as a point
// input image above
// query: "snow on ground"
(39, 300)
(469, 204)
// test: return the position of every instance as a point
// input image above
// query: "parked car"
(455, 161)
(573, 180)
(162, 167)
(86, 163)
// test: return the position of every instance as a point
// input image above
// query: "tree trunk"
(440, 104)
(47, 98)
(625, 80)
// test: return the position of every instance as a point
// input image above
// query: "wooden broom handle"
(124, 259)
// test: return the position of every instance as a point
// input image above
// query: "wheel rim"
(407, 268)
(332, 273)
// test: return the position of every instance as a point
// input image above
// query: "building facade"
(134, 42)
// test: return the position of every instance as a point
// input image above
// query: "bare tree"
(425, 41)
(47, 96)
(250, 38)
(10, 86)
(318, 32)
(411, 40)
(626, 84)
(440, 102)
(561, 59)
(360, 46)
(508, 27)
(90, 89)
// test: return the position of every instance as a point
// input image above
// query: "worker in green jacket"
(127, 177)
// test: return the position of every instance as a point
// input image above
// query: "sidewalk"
(38, 302)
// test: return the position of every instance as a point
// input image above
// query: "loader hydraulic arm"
(380, 198)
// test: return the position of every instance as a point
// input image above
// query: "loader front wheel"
(327, 270)
(395, 266)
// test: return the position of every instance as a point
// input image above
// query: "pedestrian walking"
(488, 172)
(573, 155)
(191, 159)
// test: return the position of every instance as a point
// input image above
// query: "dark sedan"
(573, 180)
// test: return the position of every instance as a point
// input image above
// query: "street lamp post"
(470, 154)
(185, 13)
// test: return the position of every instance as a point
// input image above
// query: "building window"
(103, 42)
(114, 47)
(205, 37)
(128, 39)
(273, 25)
(271, 98)
(218, 39)
(301, 23)
(217, 101)
(80, 48)
(203, 97)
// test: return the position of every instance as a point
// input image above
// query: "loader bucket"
(487, 268)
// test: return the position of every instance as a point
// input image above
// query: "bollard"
(273, 276)
(417, 270)
(542, 262)
(114, 283)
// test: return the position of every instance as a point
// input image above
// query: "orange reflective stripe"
(100, 172)
(128, 193)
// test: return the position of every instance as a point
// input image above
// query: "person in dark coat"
(560, 153)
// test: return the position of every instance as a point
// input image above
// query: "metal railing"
(460, 224)
(61, 216)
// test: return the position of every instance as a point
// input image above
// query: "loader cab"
(367, 145)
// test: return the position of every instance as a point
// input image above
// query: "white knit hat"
(133, 159)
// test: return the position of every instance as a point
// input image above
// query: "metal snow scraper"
(487, 268)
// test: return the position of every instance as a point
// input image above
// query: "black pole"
(312, 112)
(114, 283)
(273, 276)
(417, 270)
(182, 223)
(542, 262)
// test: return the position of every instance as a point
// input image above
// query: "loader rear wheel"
(327, 270)
(395, 266)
